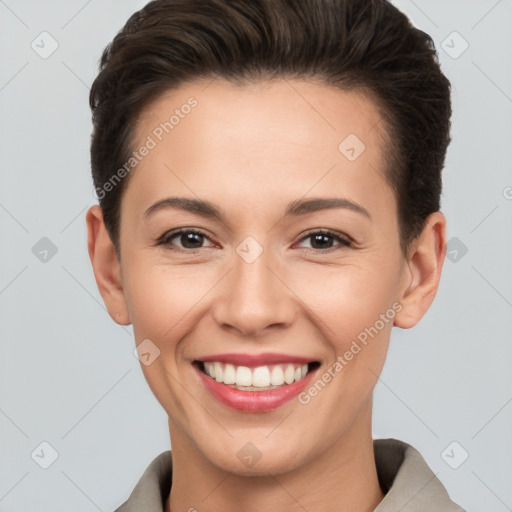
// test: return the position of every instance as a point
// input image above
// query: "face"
(265, 274)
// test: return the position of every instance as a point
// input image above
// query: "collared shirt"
(404, 476)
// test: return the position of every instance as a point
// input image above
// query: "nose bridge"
(253, 297)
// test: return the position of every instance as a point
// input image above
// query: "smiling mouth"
(260, 378)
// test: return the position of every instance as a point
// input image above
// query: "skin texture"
(251, 150)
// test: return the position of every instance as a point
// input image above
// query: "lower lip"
(254, 401)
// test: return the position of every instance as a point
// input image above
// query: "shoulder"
(153, 487)
(408, 481)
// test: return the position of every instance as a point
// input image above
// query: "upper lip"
(256, 360)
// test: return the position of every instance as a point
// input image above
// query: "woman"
(269, 177)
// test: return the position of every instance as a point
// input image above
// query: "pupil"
(320, 238)
(189, 238)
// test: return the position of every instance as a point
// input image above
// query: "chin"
(252, 458)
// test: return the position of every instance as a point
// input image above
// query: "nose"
(254, 297)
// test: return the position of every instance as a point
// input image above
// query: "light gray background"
(68, 373)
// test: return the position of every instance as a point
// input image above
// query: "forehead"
(263, 109)
(262, 138)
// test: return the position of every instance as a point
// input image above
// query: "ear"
(423, 271)
(105, 264)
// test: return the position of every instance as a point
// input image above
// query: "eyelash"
(344, 241)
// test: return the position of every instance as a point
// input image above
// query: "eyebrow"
(295, 208)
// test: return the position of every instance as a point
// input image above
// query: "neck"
(342, 478)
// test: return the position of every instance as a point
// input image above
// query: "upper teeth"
(261, 376)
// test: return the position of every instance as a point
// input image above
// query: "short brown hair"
(366, 45)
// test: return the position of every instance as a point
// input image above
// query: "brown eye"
(322, 240)
(189, 239)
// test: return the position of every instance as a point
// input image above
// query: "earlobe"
(424, 265)
(106, 267)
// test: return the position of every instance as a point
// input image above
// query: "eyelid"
(342, 239)
(164, 239)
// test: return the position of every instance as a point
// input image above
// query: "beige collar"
(403, 474)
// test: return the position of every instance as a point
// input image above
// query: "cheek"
(166, 302)
(352, 306)
(347, 299)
